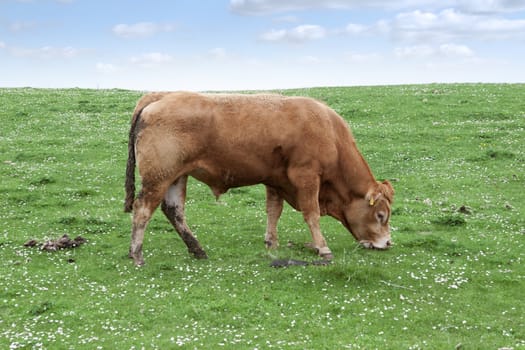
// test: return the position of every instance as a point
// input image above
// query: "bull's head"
(368, 218)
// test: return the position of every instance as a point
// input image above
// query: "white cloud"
(141, 29)
(490, 6)
(59, 1)
(261, 7)
(449, 24)
(45, 52)
(486, 20)
(431, 21)
(355, 29)
(309, 60)
(414, 51)
(426, 51)
(286, 19)
(454, 50)
(421, 27)
(106, 68)
(362, 57)
(299, 34)
(151, 59)
(20, 26)
(218, 53)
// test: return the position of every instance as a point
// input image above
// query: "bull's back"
(247, 121)
(236, 140)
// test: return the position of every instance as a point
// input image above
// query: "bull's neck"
(357, 176)
(352, 180)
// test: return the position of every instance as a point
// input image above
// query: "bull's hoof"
(271, 245)
(327, 257)
(137, 258)
(199, 254)
(138, 261)
(325, 253)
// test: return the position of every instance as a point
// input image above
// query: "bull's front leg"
(274, 208)
(319, 243)
(308, 186)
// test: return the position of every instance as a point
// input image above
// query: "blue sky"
(258, 44)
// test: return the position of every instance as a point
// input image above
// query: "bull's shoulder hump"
(315, 107)
(308, 102)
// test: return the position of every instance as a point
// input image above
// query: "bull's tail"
(133, 131)
(130, 167)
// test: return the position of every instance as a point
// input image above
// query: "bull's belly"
(221, 180)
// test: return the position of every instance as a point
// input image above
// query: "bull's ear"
(382, 189)
(388, 191)
(372, 197)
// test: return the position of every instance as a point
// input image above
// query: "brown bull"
(300, 149)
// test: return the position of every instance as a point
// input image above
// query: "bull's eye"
(381, 216)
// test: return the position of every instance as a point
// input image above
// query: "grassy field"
(455, 278)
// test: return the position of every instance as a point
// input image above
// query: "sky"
(258, 44)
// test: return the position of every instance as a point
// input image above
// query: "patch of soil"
(63, 242)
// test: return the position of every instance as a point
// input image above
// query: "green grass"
(454, 279)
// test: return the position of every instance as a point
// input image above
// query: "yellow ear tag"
(372, 201)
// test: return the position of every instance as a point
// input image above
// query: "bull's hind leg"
(173, 208)
(147, 201)
(274, 208)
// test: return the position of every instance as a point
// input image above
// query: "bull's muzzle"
(382, 245)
